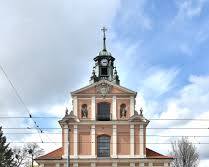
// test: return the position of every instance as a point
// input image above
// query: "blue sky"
(161, 50)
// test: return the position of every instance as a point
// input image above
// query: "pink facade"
(104, 129)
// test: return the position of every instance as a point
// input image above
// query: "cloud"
(133, 14)
(157, 81)
(189, 102)
(46, 48)
(188, 9)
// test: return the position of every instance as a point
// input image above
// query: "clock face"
(104, 62)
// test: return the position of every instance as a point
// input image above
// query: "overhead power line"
(206, 128)
(147, 135)
(39, 130)
(104, 142)
(151, 119)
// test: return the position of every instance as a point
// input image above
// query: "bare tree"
(185, 154)
(25, 156)
(34, 150)
(20, 156)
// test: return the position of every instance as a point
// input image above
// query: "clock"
(104, 62)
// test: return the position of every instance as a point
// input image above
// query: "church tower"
(104, 129)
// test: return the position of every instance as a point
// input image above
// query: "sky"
(161, 50)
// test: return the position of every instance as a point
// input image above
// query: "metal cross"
(104, 38)
(104, 29)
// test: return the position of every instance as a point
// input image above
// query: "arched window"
(103, 146)
(103, 111)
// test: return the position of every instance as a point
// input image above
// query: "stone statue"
(123, 111)
(84, 111)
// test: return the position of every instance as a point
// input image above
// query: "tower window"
(103, 71)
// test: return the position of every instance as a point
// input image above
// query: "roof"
(153, 154)
(54, 155)
(57, 154)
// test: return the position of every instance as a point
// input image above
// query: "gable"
(101, 86)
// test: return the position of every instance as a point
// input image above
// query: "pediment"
(103, 87)
(138, 118)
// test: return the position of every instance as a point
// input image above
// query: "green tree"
(6, 154)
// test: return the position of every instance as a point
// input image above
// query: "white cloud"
(158, 81)
(189, 8)
(190, 102)
(46, 55)
(135, 14)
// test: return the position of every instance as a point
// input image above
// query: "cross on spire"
(104, 38)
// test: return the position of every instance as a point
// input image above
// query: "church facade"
(103, 129)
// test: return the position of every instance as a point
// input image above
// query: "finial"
(141, 112)
(66, 111)
(104, 38)
(115, 72)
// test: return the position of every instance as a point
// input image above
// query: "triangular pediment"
(103, 86)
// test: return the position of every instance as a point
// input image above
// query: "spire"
(104, 38)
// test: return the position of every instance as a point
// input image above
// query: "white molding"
(114, 141)
(84, 98)
(75, 141)
(75, 106)
(93, 108)
(114, 111)
(150, 164)
(132, 105)
(122, 98)
(132, 140)
(93, 140)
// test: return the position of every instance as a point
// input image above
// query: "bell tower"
(104, 65)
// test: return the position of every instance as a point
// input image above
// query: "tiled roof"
(57, 154)
(152, 154)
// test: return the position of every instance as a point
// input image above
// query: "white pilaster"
(93, 140)
(141, 141)
(114, 111)
(131, 140)
(58, 164)
(65, 140)
(75, 141)
(75, 164)
(93, 108)
(114, 141)
(93, 164)
(132, 105)
(114, 164)
(75, 105)
(132, 164)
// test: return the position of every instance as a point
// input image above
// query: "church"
(104, 129)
